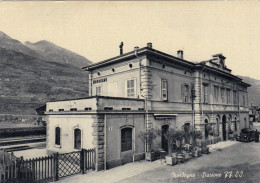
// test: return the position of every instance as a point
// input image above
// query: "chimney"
(121, 48)
(150, 45)
(180, 54)
(136, 48)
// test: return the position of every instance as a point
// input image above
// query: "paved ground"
(232, 161)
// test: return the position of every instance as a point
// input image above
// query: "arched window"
(126, 139)
(77, 138)
(57, 136)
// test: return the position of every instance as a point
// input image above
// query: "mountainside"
(253, 91)
(29, 78)
(55, 53)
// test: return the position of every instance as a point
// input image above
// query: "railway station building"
(143, 89)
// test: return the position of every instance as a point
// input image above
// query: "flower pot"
(170, 160)
(174, 155)
(205, 150)
(150, 156)
(199, 153)
(180, 158)
(186, 156)
(196, 153)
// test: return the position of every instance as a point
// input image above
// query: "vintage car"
(246, 135)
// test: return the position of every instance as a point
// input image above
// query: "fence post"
(56, 166)
(82, 161)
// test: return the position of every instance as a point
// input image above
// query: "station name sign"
(100, 80)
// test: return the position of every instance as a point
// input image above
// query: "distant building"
(254, 113)
(41, 117)
(142, 89)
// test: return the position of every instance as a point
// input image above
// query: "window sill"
(128, 151)
(57, 146)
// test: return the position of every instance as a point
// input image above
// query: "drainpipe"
(105, 141)
(145, 99)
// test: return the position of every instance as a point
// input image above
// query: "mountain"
(30, 76)
(15, 45)
(57, 54)
(253, 91)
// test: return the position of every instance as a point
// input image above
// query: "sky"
(95, 29)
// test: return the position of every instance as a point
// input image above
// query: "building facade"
(145, 89)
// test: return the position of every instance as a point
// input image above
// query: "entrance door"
(224, 121)
(164, 140)
(206, 128)
(77, 138)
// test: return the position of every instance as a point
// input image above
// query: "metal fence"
(48, 168)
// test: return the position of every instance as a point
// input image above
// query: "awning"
(164, 116)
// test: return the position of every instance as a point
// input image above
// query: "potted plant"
(171, 136)
(179, 136)
(195, 134)
(148, 136)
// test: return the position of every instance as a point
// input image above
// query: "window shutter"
(182, 92)
(188, 93)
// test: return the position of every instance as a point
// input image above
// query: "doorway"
(224, 121)
(206, 128)
(165, 128)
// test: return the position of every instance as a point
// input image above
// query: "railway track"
(22, 143)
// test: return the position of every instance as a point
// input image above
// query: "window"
(235, 97)
(217, 125)
(126, 139)
(98, 90)
(77, 138)
(228, 96)
(244, 101)
(222, 94)
(57, 136)
(205, 94)
(216, 93)
(130, 88)
(185, 93)
(164, 89)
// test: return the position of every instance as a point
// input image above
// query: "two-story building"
(142, 89)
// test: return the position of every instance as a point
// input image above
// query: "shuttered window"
(235, 97)
(205, 94)
(216, 93)
(185, 93)
(222, 95)
(98, 90)
(130, 88)
(164, 89)
(228, 96)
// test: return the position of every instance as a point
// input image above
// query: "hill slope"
(54, 53)
(29, 78)
(253, 91)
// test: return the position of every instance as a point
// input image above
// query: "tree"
(173, 135)
(148, 136)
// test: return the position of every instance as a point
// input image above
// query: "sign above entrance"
(164, 116)
(100, 80)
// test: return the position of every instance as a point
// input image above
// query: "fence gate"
(69, 164)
